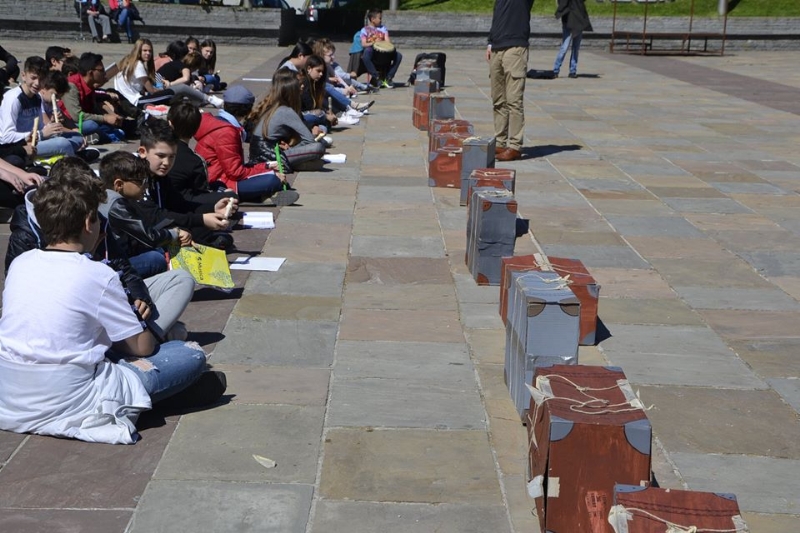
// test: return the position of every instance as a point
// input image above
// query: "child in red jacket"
(219, 142)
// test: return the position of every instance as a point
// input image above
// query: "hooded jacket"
(219, 142)
(574, 15)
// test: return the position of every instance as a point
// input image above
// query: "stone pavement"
(370, 366)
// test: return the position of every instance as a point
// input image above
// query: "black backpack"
(439, 57)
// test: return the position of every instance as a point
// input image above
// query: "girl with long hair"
(208, 49)
(136, 80)
(277, 122)
(312, 101)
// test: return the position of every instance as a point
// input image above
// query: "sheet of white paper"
(258, 220)
(268, 264)
(334, 158)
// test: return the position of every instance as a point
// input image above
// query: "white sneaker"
(327, 141)
(347, 119)
(216, 101)
(353, 113)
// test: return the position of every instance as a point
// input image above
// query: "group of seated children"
(90, 334)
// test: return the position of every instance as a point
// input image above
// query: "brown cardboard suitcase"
(490, 177)
(648, 509)
(517, 263)
(444, 167)
(440, 140)
(457, 127)
(582, 442)
(421, 111)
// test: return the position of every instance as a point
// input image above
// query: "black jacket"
(574, 15)
(511, 24)
(188, 178)
(26, 235)
(129, 230)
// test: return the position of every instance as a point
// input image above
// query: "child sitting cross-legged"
(206, 222)
(75, 360)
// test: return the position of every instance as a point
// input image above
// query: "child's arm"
(186, 76)
(139, 345)
(126, 218)
(9, 111)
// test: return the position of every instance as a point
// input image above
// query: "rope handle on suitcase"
(619, 515)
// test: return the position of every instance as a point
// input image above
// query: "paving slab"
(418, 466)
(480, 315)
(745, 324)
(749, 422)
(650, 311)
(277, 342)
(789, 389)
(730, 298)
(436, 362)
(48, 520)
(276, 385)
(400, 325)
(770, 357)
(45, 471)
(677, 355)
(394, 246)
(761, 484)
(288, 307)
(598, 256)
(408, 296)
(381, 270)
(705, 273)
(313, 279)
(772, 523)
(631, 283)
(187, 506)
(367, 517)
(654, 227)
(220, 444)
(401, 402)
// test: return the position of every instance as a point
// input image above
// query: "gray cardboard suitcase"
(442, 106)
(471, 217)
(494, 229)
(543, 329)
(476, 152)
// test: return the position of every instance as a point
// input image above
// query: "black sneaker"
(573, 74)
(222, 240)
(283, 198)
(89, 155)
(206, 390)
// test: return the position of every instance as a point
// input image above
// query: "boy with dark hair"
(75, 360)
(98, 112)
(22, 105)
(207, 223)
(55, 56)
(188, 176)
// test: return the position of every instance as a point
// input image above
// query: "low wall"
(233, 25)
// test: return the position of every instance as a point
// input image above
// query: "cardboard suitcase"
(587, 431)
(502, 178)
(444, 167)
(478, 152)
(471, 217)
(581, 282)
(640, 509)
(429, 73)
(494, 228)
(426, 86)
(441, 106)
(542, 330)
(421, 110)
(452, 126)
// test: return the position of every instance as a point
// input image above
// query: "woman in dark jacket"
(574, 21)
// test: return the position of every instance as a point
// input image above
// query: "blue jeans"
(339, 101)
(366, 57)
(173, 367)
(566, 40)
(107, 133)
(66, 144)
(125, 22)
(255, 188)
(149, 263)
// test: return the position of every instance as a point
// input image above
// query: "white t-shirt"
(133, 88)
(61, 313)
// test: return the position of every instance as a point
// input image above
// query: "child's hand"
(142, 308)
(51, 129)
(30, 149)
(184, 237)
(281, 176)
(272, 165)
(221, 207)
(215, 221)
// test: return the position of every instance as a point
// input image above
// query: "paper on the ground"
(267, 264)
(258, 220)
(334, 158)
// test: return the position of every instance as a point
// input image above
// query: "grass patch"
(676, 8)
